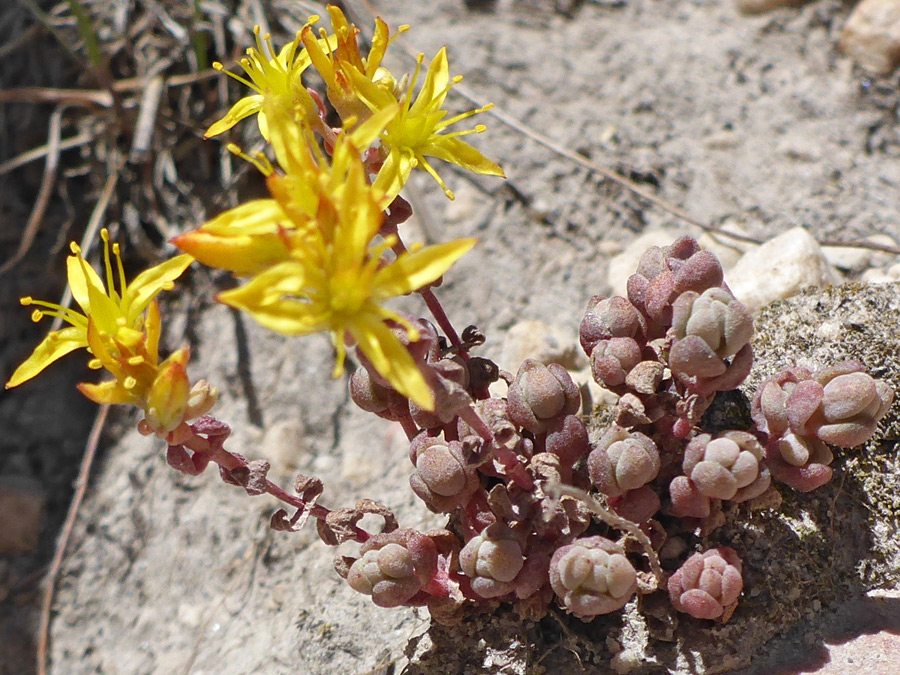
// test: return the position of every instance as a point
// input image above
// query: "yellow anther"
(479, 128)
(218, 67)
(104, 235)
(75, 248)
(129, 383)
(37, 315)
(95, 364)
(27, 300)
(135, 360)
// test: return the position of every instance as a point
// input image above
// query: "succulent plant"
(492, 560)
(592, 576)
(393, 567)
(708, 584)
(612, 359)
(707, 330)
(608, 318)
(665, 273)
(443, 478)
(541, 393)
(727, 467)
(622, 461)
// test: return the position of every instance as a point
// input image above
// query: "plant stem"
(230, 462)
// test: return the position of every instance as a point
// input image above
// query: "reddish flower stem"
(436, 309)
(230, 462)
(409, 427)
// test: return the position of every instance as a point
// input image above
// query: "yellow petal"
(81, 276)
(240, 255)
(434, 89)
(152, 327)
(148, 284)
(259, 216)
(462, 154)
(106, 393)
(391, 359)
(56, 345)
(413, 270)
(380, 43)
(243, 108)
(394, 173)
(276, 299)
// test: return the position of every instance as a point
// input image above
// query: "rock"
(762, 6)
(624, 265)
(780, 268)
(871, 36)
(285, 445)
(21, 509)
(541, 342)
(849, 258)
(882, 275)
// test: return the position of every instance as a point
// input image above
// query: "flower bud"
(592, 576)
(167, 399)
(541, 393)
(707, 585)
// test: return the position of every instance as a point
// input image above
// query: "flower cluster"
(119, 325)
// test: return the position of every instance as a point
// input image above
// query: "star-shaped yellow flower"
(417, 131)
(279, 76)
(336, 281)
(110, 320)
(259, 234)
(342, 56)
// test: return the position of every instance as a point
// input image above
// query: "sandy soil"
(758, 122)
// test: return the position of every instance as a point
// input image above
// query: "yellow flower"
(343, 57)
(279, 76)
(111, 322)
(417, 130)
(259, 234)
(336, 281)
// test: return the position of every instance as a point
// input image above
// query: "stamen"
(75, 248)
(412, 82)
(129, 383)
(135, 360)
(95, 364)
(260, 161)
(104, 235)
(37, 315)
(462, 116)
(118, 254)
(27, 300)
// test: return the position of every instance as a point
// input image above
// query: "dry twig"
(84, 472)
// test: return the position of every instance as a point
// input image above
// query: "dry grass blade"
(66, 96)
(43, 198)
(146, 121)
(81, 482)
(37, 153)
(90, 236)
